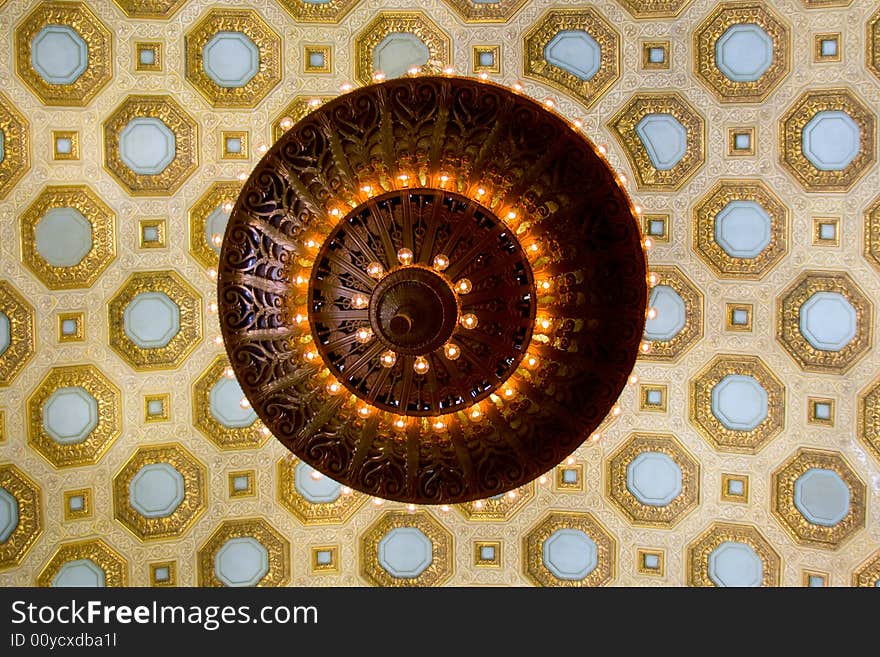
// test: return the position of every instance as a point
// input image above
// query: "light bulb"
(335, 212)
(229, 373)
(299, 318)
(615, 411)
(286, 123)
(345, 87)
(378, 501)
(441, 262)
(509, 392)
(652, 313)
(638, 209)
(531, 361)
(634, 379)
(577, 123)
(316, 475)
(645, 347)
(469, 321)
(421, 365)
(463, 286)
(546, 285)
(364, 335)
(405, 256)
(216, 239)
(212, 307)
(511, 215)
(449, 70)
(314, 102)
(415, 70)
(483, 76)
(512, 494)
(480, 191)
(310, 356)
(388, 358)
(366, 189)
(439, 425)
(648, 242)
(602, 149)
(444, 179)
(242, 177)
(548, 102)
(542, 479)
(346, 490)
(545, 323)
(265, 430)
(478, 504)
(364, 411)
(244, 403)
(400, 423)
(360, 301)
(534, 248)
(476, 414)
(262, 148)
(411, 508)
(375, 270)
(451, 351)
(652, 279)
(516, 86)
(227, 207)
(212, 274)
(378, 76)
(333, 387)
(569, 460)
(445, 508)
(218, 341)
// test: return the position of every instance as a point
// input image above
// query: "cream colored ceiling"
(274, 529)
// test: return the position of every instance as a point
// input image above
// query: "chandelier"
(432, 289)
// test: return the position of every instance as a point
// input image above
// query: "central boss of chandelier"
(432, 289)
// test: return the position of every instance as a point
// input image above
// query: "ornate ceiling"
(746, 453)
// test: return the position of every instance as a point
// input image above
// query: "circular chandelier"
(432, 289)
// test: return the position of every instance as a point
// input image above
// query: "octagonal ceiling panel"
(219, 412)
(406, 549)
(15, 149)
(17, 333)
(247, 552)
(399, 41)
(21, 514)
(89, 563)
(728, 554)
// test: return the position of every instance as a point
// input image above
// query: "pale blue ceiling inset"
(215, 224)
(147, 146)
(151, 320)
(822, 497)
(242, 561)
(315, 487)
(744, 52)
(70, 415)
(8, 514)
(743, 229)
(156, 490)
(664, 138)
(405, 552)
(575, 52)
(224, 400)
(735, 564)
(654, 478)
(398, 52)
(739, 402)
(570, 554)
(828, 321)
(59, 54)
(831, 140)
(81, 572)
(5, 333)
(63, 237)
(671, 314)
(231, 59)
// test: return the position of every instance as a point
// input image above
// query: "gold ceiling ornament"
(828, 533)
(872, 43)
(102, 561)
(475, 11)
(620, 478)
(225, 436)
(101, 230)
(692, 330)
(706, 38)
(176, 120)
(722, 534)
(436, 40)
(791, 140)
(705, 229)
(258, 532)
(99, 412)
(623, 125)
(435, 572)
(96, 49)
(17, 487)
(203, 247)
(868, 424)
(309, 11)
(498, 508)
(872, 233)
(331, 512)
(789, 322)
(22, 335)
(654, 8)
(294, 112)
(14, 133)
(189, 323)
(868, 573)
(150, 8)
(227, 22)
(587, 527)
(181, 512)
(592, 23)
(712, 429)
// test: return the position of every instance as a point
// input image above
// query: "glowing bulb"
(633, 379)
(545, 323)
(218, 341)
(602, 149)
(375, 270)
(441, 262)
(546, 285)
(212, 274)
(638, 209)
(262, 148)
(652, 279)
(445, 508)
(378, 76)
(478, 504)
(648, 242)
(364, 411)
(548, 102)
(542, 479)
(316, 475)
(415, 70)
(227, 207)
(623, 179)
(596, 437)
(216, 239)
(405, 256)
(366, 189)
(229, 373)
(388, 358)
(578, 124)
(531, 361)
(411, 508)
(652, 313)
(449, 70)
(451, 351)
(314, 102)
(265, 430)
(360, 301)
(469, 321)
(421, 365)
(346, 490)
(212, 307)
(242, 177)
(244, 403)
(480, 191)
(439, 425)
(404, 179)
(333, 387)
(310, 243)
(511, 215)
(364, 335)
(400, 423)
(335, 212)
(512, 494)
(378, 501)
(310, 356)
(516, 86)
(286, 123)
(509, 392)
(444, 179)
(299, 318)
(299, 280)
(463, 286)
(476, 414)
(569, 460)
(345, 87)
(483, 76)
(615, 411)
(645, 347)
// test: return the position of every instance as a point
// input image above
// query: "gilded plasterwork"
(16, 146)
(720, 532)
(706, 40)
(872, 42)
(216, 196)
(533, 542)
(295, 110)
(308, 11)
(791, 140)
(108, 422)
(249, 23)
(498, 508)
(623, 126)
(585, 20)
(800, 527)
(498, 11)
(308, 513)
(150, 8)
(442, 550)
(95, 550)
(872, 233)
(618, 491)
(22, 341)
(103, 236)
(654, 8)
(276, 546)
(868, 574)
(186, 156)
(705, 229)
(225, 437)
(189, 306)
(29, 525)
(692, 331)
(96, 36)
(788, 322)
(868, 426)
(385, 23)
(188, 510)
(712, 429)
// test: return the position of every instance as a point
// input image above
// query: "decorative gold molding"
(16, 146)
(277, 547)
(30, 515)
(868, 573)
(331, 11)
(500, 507)
(72, 138)
(533, 542)
(331, 513)
(654, 8)
(22, 333)
(442, 552)
(499, 11)
(868, 422)
(249, 437)
(692, 331)
(115, 567)
(719, 532)
(216, 196)
(729, 494)
(150, 8)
